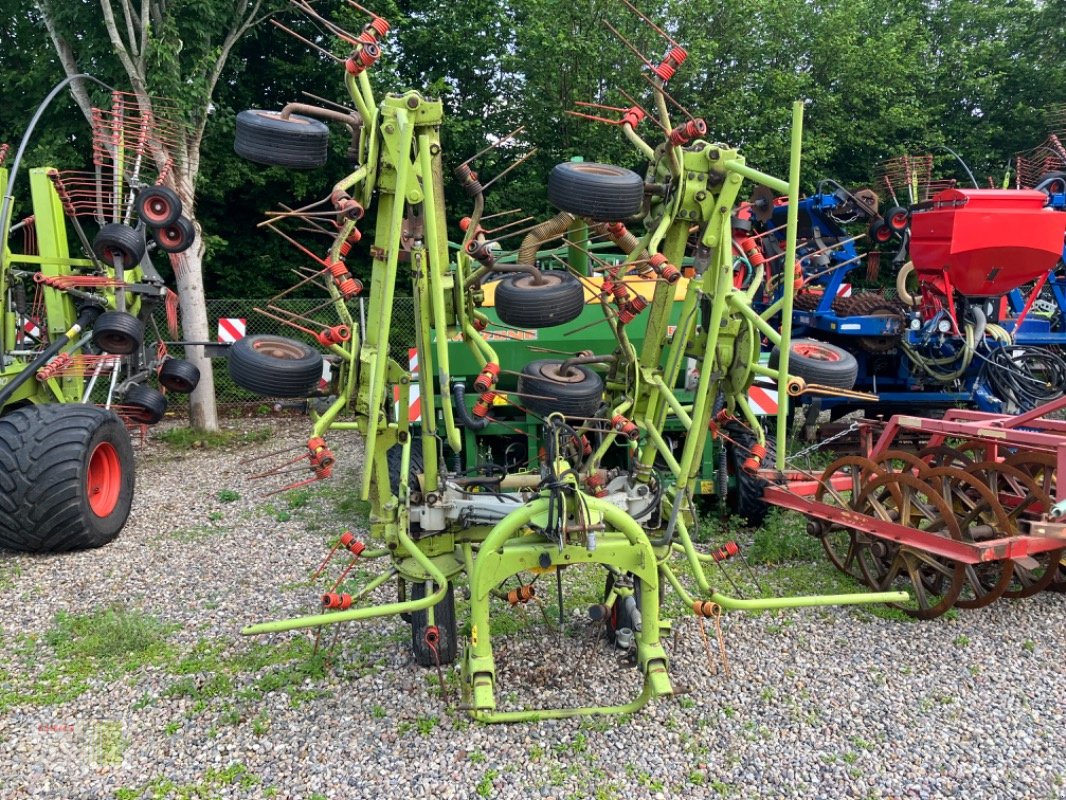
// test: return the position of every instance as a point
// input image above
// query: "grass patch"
(98, 646)
(235, 776)
(193, 439)
(783, 537)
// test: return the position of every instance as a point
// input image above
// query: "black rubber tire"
(178, 375)
(144, 405)
(176, 238)
(819, 362)
(115, 239)
(118, 332)
(416, 467)
(275, 366)
(897, 218)
(48, 454)
(579, 398)
(158, 206)
(1052, 182)
(298, 142)
(444, 618)
(881, 233)
(601, 192)
(523, 304)
(744, 499)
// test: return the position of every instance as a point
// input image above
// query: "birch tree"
(164, 48)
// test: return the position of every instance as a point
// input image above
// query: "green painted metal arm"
(385, 610)
(790, 259)
(438, 249)
(807, 601)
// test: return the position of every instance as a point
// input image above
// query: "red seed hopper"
(986, 242)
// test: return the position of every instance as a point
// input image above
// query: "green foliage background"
(879, 77)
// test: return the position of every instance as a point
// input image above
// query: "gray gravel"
(820, 704)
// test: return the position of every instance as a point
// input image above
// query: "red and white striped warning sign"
(29, 332)
(762, 399)
(414, 410)
(230, 329)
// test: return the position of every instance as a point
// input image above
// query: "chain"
(819, 445)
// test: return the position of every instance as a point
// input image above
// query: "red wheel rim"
(815, 352)
(172, 236)
(883, 234)
(899, 221)
(104, 481)
(156, 209)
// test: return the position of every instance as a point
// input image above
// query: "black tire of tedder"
(541, 391)
(524, 304)
(443, 618)
(1052, 182)
(176, 237)
(118, 332)
(178, 375)
(744, 499)
(158, 206)
(275, 366)
(144, 405)
(819, 362)
(115, 239)
(601, 192)
(45, 456)
(298, 142)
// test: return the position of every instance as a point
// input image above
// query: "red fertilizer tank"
(986, 242)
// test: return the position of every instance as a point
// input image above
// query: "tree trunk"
(203, 414)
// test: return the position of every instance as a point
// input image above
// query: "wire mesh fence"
(261, 316)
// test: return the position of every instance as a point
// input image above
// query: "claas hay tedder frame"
(604, 487)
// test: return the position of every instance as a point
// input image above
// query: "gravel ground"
(833, 703)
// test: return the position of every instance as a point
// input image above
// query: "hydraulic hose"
(466, 419)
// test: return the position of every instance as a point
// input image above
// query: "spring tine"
(501, 214)
(328, 102)
(650, 24)
(509, 225)
(729, 578)
(494, 145)
(666, 94)
(512, 166)
(627, 43)
(333, 28)
(306, 41)
(652, 117)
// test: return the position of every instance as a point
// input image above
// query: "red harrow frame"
(961, 522)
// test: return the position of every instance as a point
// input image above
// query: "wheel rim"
(281, 350)
(171, 236)
(103, 483)
(116, 343)
(934, 582)
(839, 542)
(815, 352)
(157, 209)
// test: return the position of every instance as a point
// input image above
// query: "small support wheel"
(118, 332)
(176, 237)
(178, 375)
(557, 300)
(116, 242)
(544, 388)
(144, 405)
(819, 362)
(275, 366)
(296, 142)
(601, 192)
(158, 206)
